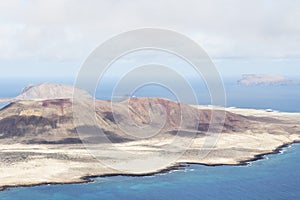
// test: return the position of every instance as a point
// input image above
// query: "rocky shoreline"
(39, 141)
(179, 166)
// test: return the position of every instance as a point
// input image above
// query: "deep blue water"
(277, 177)
(274, 178)
(281, 98)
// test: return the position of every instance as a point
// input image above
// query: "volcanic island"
(40, 144)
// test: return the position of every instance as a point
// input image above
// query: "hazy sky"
(41, 38)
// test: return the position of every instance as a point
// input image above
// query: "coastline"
(178, 166)
(249, 135)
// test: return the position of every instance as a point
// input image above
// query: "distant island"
(39, 143)
(264, 79)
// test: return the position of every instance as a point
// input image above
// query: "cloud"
(64, 30)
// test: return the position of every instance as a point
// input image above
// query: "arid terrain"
(40, 141)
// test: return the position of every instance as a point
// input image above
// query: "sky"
(52, 38)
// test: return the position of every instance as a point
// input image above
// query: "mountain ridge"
(40, 141)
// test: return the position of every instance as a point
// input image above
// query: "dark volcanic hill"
(51, 121)
(40, 141)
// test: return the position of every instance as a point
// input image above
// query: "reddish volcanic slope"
(51, 121)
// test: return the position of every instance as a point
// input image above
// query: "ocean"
(275, 177)
(285, 98)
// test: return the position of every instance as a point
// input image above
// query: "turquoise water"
(276, 177)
